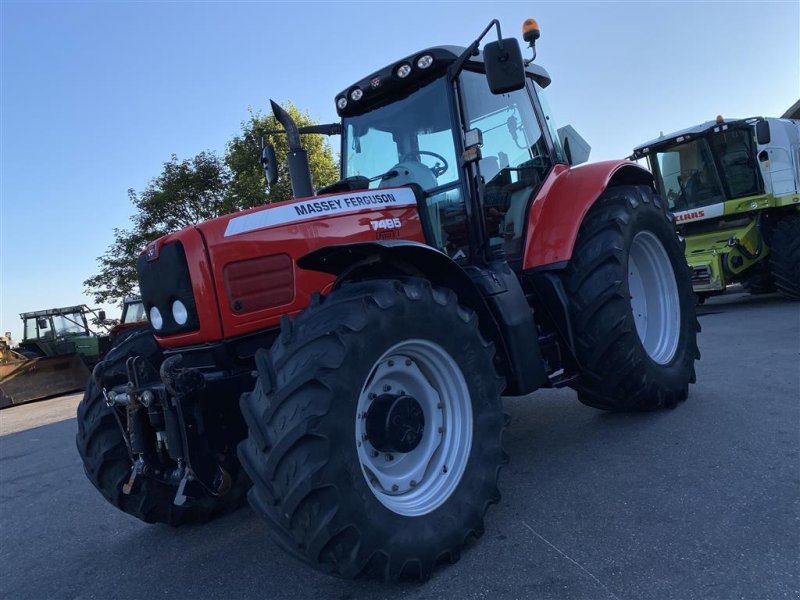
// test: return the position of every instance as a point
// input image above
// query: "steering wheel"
(437, 169)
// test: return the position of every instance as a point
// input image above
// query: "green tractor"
(734, 188)
(59, 331)
(55, 355)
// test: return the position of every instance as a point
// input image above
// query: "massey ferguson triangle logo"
(151, 252)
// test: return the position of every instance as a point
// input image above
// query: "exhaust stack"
(297, 158)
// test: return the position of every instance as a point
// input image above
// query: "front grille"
(701, 275)
(164, 280)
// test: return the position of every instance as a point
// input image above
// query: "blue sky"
(97, 95)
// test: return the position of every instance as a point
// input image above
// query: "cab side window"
(515, 158)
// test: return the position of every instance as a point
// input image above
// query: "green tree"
(186, 192)
(243, 159)
(194, 190)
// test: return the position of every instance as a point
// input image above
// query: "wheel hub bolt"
(387, 387)
(389, 457)
(391, 363)
(395, 487)
(408, 362)
(413, 483)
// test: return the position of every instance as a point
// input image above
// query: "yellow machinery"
(24, 379)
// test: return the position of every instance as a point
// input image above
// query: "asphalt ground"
(698, 502)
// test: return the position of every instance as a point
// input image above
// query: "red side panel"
(259, 283)
(559, 208)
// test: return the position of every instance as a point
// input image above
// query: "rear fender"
(560, 205)
(524, 371)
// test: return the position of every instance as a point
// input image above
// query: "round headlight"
(156, 320)
(341, 103)
(424, 61)
(356, 95)
(403, 71)
(179, 312)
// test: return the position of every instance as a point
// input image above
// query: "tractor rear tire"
(785, 257)
(631, 305)
(308, 452)
(107, 462)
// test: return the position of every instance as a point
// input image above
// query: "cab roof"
(385, 82)
(52, 312)
(686, 134)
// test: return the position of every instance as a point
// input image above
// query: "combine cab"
(734, 187)
(339, 358)
(54, 356)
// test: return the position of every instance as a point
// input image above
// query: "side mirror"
(505, 71)
(42, 324)
(269, 163)
(762, 133)
(576, 148)
(101, 315)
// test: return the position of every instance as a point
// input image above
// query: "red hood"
(243, 266)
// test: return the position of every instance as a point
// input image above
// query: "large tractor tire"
(107, 462)
(785, 257)
(375, 431)
(631, 304)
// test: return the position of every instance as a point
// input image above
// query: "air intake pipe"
(297, 158)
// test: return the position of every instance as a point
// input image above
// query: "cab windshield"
(410, 141)
(407, 141)
(69, 324)
(707, 170)
(133, 312)
(687, 176)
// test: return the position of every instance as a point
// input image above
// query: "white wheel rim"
(417, 482)
(654, 297)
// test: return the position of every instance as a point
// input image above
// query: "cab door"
(516, 157)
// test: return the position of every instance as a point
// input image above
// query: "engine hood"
(243, 267)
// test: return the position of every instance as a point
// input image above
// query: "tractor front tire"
(785, 257)
(631, 304)
(107, 462)
(375, 431)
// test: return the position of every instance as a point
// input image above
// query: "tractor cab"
(453, 139)
(468, 130)
(59, 331)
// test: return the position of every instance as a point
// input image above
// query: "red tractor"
(339, 358)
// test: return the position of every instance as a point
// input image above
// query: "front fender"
(394, 257)
(503, 314)
(558, 210)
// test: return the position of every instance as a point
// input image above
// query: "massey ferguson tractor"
(339, 358)
(734, 186)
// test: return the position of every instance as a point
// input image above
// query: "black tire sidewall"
(432, 322)
(617, 373)
(648, 217)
